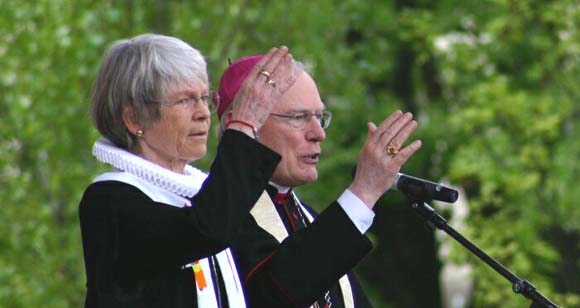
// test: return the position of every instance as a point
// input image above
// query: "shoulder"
(112, 189)
(105, 195)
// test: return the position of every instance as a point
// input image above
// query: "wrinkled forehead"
(195, 85)
(302, 96)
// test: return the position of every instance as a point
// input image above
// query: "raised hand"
(269, 79)
(381, 157)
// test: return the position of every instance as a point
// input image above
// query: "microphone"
(420, 189)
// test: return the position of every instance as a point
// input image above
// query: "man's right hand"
(264, 86)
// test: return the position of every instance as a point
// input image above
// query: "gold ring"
(272, 82)
(265, 73)
(392, 150)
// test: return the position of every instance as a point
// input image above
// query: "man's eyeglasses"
(300, 119)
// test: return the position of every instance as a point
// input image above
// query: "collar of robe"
(186, 185)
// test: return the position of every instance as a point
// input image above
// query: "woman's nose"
(201, 111)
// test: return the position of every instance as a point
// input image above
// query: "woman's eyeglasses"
(190, 100)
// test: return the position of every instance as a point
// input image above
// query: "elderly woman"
(155, 230)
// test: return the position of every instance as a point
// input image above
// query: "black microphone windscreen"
(424, 190)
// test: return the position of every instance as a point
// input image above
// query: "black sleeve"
(122, 228)
(299, 270)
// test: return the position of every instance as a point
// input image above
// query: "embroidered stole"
(268, 219)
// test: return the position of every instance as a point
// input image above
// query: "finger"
(258, 73)
(403, 134)
(255, 73)
(389, 133)
(284, 66)
(281, 87)
(406, 152)
(371, 129)
(385, 125)
(272, 62)
(283, 75)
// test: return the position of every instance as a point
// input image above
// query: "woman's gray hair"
(297, 68)
(137, 73)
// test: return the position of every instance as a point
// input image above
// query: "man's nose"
(315, 131)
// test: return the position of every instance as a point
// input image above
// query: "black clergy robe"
(309, 262)
(134, 248)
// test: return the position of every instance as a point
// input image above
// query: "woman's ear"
(130, 120)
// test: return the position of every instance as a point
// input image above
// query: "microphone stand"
(520, 286)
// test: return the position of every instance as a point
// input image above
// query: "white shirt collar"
(281, 189)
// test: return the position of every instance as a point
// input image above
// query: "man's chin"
(296, 179)
(308, 179)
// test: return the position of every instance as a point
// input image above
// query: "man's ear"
(228, 116)
(130, 120)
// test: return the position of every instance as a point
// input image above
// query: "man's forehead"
(303, 96)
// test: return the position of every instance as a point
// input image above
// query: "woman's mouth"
(198, 134)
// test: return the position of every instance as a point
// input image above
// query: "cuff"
(360, 215)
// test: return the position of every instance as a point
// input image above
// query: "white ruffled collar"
(186, 185)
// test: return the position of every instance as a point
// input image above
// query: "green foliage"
(514, 126)
(494, 85)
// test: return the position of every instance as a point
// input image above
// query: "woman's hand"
(271, 77)
(381, 157)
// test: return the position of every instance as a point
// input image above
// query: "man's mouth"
(312, 158)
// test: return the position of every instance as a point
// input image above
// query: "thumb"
(371, 127)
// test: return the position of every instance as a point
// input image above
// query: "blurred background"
(495, 85)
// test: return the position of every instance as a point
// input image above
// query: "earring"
(139, 133)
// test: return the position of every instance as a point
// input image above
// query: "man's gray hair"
(137, 73)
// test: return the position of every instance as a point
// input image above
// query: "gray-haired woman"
(155, 230)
